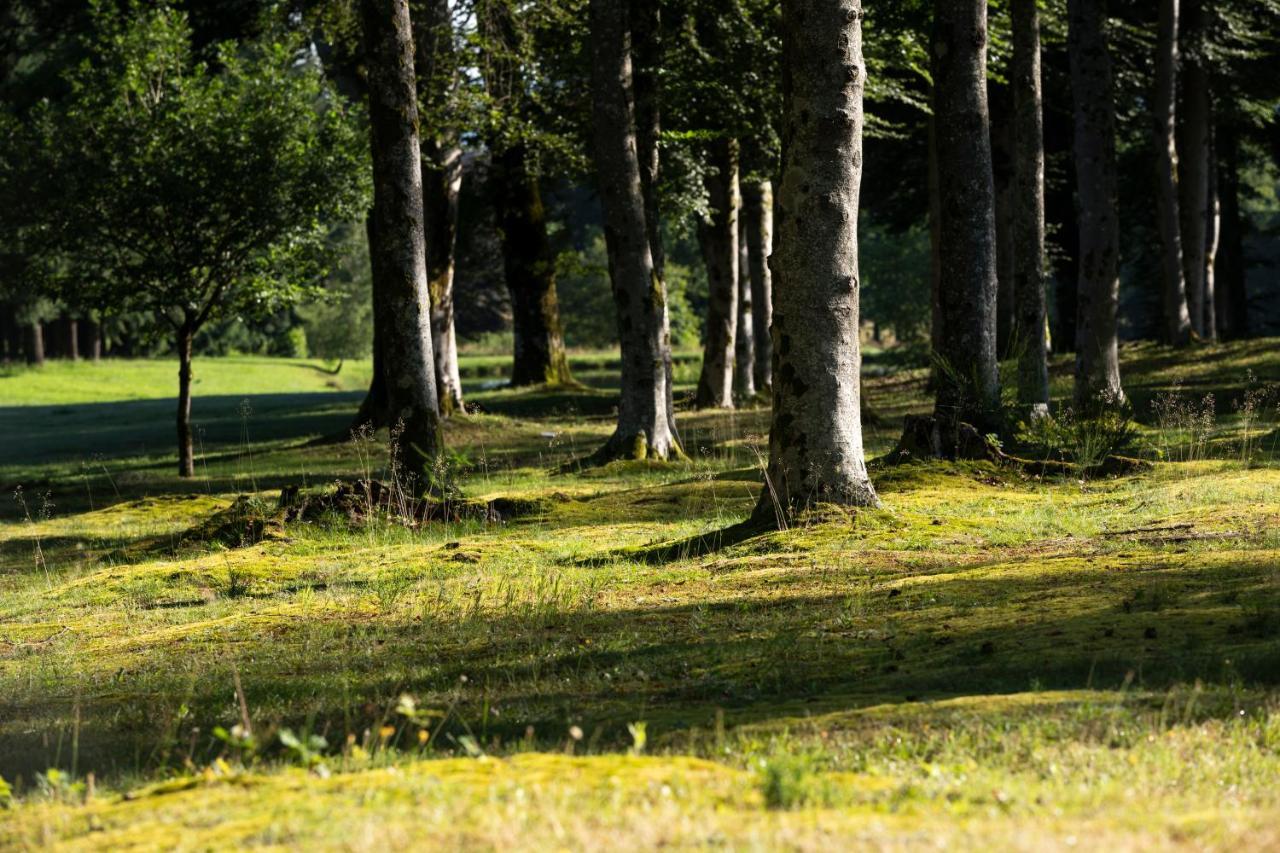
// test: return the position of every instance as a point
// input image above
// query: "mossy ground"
(990, 660)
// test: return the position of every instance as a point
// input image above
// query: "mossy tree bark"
(968, 389)
(441, 184)
(718, 239)
(1173, 284)
(757, 221)
(1029, 281)
(744, 355)
(1097, 370)
(397, 246)
(644, 408)
(815, 441)
(1193, 162)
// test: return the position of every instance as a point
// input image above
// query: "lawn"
(993, 659)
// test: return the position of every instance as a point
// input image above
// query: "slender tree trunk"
(757, 199)
(1229, 291)
(397, 249)
(186, 454)
(815, 441)
(644, 413)
(1193, 163)
(91, 339)
(718, 238)
(71, 333)
(1173, 285)
(1028, 209)
(1097, 374)
(1002, 175)
(744, 381)
(1212, 235)
(529, 264)
(969, 390)
(441, 185)
(34, 344)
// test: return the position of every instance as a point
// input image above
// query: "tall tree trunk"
(815, 441)
(1212, 234)
(744, 381)
(969, 390)
(91, 339)
(441, 184)
(757, 201)
(1002, 174)
(398, 250)
(186, 454)
(34, 344)
(71, 337)
(644, 408)
(527, 257)
(1028, 209)
(1232, 300)
(718, 238)
(374, 411)
(1097, 374)
(1193, 162)
(1173, 285)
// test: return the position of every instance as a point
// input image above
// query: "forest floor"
(991, 660)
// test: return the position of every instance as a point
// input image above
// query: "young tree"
(192, 193)
(1173, 287)
(815, 441)
(397, 249)
(1097, 372)
(1028, 208)
(744, 354)
(969, 389)
(718, 238)
(644, 410)
(1193, 139)
(757, 221)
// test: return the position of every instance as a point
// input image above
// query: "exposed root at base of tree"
(619, 448)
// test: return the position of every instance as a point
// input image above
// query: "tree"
(1194, 145)
(437, 69)
(718, 238)
(744, 354)
(1028, 208)
(1097, 371)
(757, 221)
(644, 409)
(969, 388)
(1173, 286)
(194, 191)
(397, 249)
(815, 440)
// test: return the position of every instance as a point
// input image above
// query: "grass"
(990, 660)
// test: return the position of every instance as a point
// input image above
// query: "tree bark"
(815, 440)
(1002, 175)
(1212, 235)
(186, 455)
(71, 338)
(1028, 209)
(744, 381)
(374, 411)
(1097, 371)
(397, 249)
(441, 185)
(640, 296)
(969, 388)
(757, 199)
(1229, 277)
(935, 247)
(34, 343)
(718, 238)
(1173, 285)
(91, 339)
(1193, 163)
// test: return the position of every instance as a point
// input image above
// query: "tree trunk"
(969, 388)
(71, 338)
(815, 441)
(1097, 373)
(441, 184)
(744, 380)
(1193, 163)
(1229, 291)
(91, 339)
(1212, 234)
(1173, 285)
(11, 331)
(718, 238)
(34, 344)
(757, 199)
(640, 295)
(935, 248)
(1028, 209)
(186, 455)
(529, 264)
(374, 411)
(397, 249)
(1002, 182)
